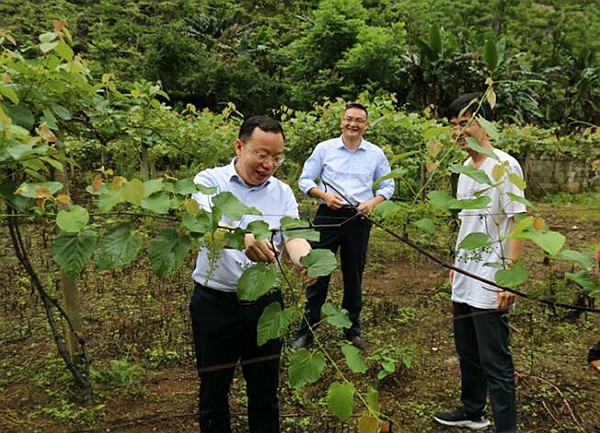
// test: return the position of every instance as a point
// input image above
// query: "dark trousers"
(352, 239)
(224, 332)
(486, 364)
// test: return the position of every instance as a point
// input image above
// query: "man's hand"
(259, 251)
(505, 299)
(308, 280)
(367, 206)
(333, 201)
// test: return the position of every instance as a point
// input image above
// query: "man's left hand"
(505, 299)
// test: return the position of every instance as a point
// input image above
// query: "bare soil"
(134, 317)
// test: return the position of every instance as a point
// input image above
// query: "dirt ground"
(140, 321)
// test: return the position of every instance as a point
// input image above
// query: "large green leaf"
(235, 239)
(152, 186)
(133, 191)
(340, 399)
(305, 368)
(336, 317)
(158, 202)
(109, 199)
(477, 203)
(474, 240)
(373, 400)
(73, 220)
(295, 228)
(440, 199)
(274, 322)
(436, 43)
(474, 173)
(490, 130)
(41, 189)
(72, 251)
(259, 229)
(583, 279)
(200, 223)
(513, 277)
(583, 260)
(521, 200)
(256, 281)
(473, 143)
(426, 225)
(490, 55)
(21, 115)
(319, 262)
(167, 251)
(188, 187)
(229, 205)
(550, 241)
(354, 358)
(117, 248)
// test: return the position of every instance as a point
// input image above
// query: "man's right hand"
(259, 251)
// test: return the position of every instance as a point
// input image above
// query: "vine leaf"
(256, 281)
(158, 203)
(340, 399)
(259, 229)
(230, 206)
(490, 129)
(274, 322)
(167, 251)
(426, 225)
(372, 399)
(474, 241)
(513, 277)
(187, 187)
(575, 256)
(200, 223)
(474, 173)
(133, 191)
(235, 239)
(319, 262)
(74, 220)
(305, 368)
(443, 200)
(117, 248)
(583, 279)
(368, 424)
(336, 317)
(151, 186)
(109, 199)
(550, 241)
(72, 251)
(296, 228)
(354, 359)
(473, 143)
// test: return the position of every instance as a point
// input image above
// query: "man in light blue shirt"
(346, 169)
(225, 328)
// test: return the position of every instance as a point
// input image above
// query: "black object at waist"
(231, 297)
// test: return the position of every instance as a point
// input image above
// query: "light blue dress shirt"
(353, 173)
(273, 198)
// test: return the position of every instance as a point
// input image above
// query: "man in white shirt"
(481, 331)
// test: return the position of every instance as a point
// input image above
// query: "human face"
(464, 127)
(354, 124)
(253, 169)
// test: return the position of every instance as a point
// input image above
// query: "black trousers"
(224, 332)
(352, 239)
(486, 364)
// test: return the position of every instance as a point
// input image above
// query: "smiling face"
(354, 124)
(464, 127)
(257, 156)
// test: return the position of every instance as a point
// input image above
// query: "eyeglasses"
(358, 120)
(262, 156)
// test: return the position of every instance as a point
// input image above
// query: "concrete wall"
(548, 174)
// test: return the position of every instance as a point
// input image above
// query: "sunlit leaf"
(517, 181)
(372, 399)
(490, 129)
(109, 199)
(426, 225)
(295, 228)
(259, 229)
(522, 200)
(368, 424)
(550, 241)
(230, 206)
(340, 399)
(152, 186)
(336, 317)
(256, 281)
(473, 143)
(319, 262)
(513, 277)
(468, 170)
(305, 368)
(133, 191)
(354, 358)
(73, 220)
(72, 251)
(274, 322)
(167, 251)
(117, 248)
(474, 241)
(37, 190)
(158, 202)
(583, 260)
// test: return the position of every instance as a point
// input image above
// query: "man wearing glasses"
(346, 168)
(224, 328)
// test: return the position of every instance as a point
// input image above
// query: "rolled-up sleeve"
(313, 169)
(387, 186)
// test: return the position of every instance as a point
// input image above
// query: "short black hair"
(357, 105)
(264, 123)
(469, 100)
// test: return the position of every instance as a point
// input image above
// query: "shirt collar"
(234, 176)
(341, 144)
